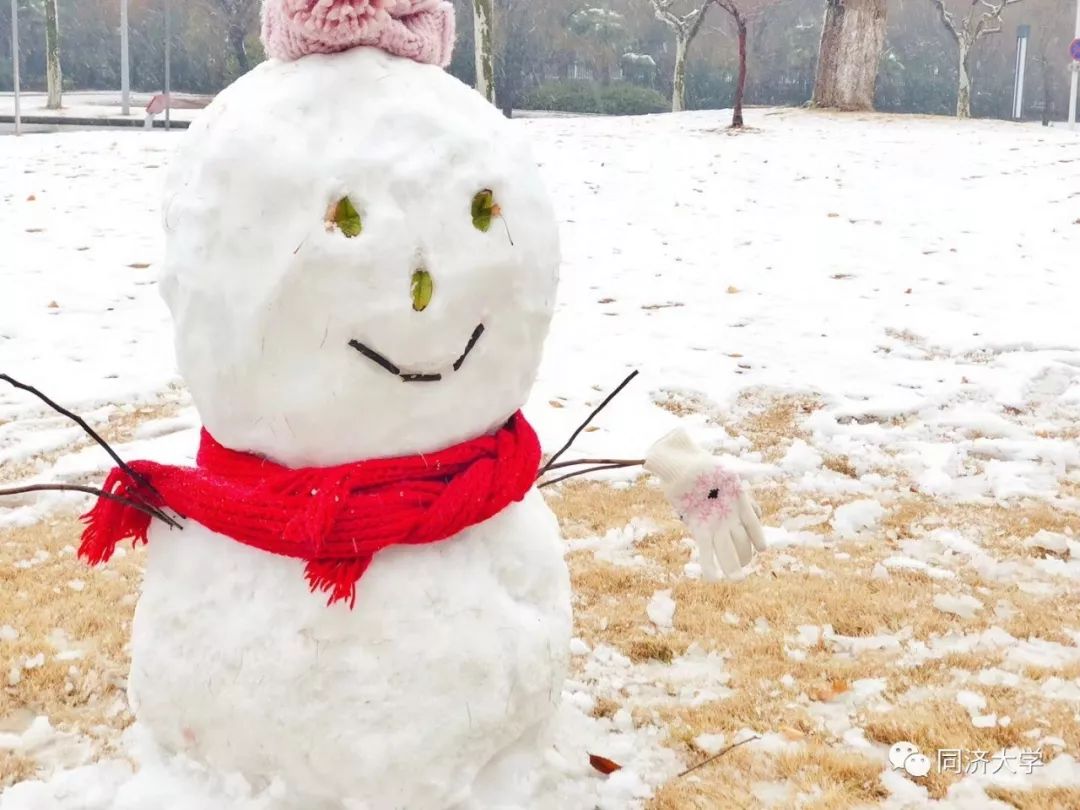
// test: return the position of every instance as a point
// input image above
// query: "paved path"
(99, 108)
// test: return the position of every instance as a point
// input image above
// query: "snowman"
(368, 602)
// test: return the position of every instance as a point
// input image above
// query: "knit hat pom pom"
(422, 30)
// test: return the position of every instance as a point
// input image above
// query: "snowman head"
(361, 261)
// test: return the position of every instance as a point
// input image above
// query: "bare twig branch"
(141, 507)
(585, 424)
(78, 420)
(586, 471)
(947, 19)
(89, 431)
(731, 747)
(581, 462)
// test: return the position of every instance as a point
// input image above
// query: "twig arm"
(586, 471)
(141, 507)
(636, 462)
(146, 507)
(78, 420)
(585, 424)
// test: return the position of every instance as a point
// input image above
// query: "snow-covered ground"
(907, 284)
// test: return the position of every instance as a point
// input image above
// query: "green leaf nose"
(422, 290)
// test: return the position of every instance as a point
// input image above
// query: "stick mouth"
(387, 365)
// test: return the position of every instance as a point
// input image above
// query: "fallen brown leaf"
(603, 764)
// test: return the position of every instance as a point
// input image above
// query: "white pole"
(1075, 76)
(168, 65)
(125, 61)
(1021, 65)
(15, 62)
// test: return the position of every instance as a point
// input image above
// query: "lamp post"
(125, 61)
(168, 64)
(1075, 65)
(15, 62)
(1022, 34)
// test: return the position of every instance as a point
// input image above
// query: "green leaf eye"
(484, 209)
(344, 216)
(423, 288)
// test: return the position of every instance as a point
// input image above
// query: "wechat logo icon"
(905, 756)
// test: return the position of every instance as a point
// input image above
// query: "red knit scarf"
(335, 518)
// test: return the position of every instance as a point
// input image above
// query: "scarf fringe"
(336, 578)
(335, 519)
(109, 522)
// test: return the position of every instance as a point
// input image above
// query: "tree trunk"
(963, 93)
(238, 41)
(1046, 92)
(507, 92)
(852, 40)
(678, 86)
(54, 77)
(485, 50)
(740, 84)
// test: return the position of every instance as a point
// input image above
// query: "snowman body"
(452, 658)
(307, 345)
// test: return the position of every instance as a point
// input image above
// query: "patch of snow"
(963, 605)
(851, 519)
(661, 610)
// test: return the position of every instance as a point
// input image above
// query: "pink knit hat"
(416, 29)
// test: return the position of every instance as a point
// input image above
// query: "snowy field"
(873, 318)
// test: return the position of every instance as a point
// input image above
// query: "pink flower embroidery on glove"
(713, 497)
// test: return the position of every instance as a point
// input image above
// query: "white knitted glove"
(711, 502)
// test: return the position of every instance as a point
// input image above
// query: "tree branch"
(141, 507)
(89, 431)
(715, 757)
(585, 424)
(637, 462)
(947, 19)
(598, 468)
(685, 25)
(78, 420)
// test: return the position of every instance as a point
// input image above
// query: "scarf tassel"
(110, 522)
(337, 578)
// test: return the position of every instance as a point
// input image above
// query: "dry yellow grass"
(752, 624)
(832, 585)
(72, 620)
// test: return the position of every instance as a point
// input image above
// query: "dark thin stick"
(142, 507)
(473, 340)
(89, 431)
(585, 424)
(637, 462)
(375, 357)
(586, 471)
(731, 747)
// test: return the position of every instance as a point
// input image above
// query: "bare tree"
(484, 45)
(741, 13)
(53, 76)
(686, 27)
(852, 40)
(965, 32)
(240, 16)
